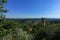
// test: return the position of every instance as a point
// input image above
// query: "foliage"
(19, 31)
(24, 35)
(2, 9)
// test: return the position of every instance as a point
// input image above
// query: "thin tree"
(2, 16)
(2, 8)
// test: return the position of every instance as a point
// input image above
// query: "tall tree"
(2, 9)
(2, 16)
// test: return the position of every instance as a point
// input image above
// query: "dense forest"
(28, 29)
(13, 29)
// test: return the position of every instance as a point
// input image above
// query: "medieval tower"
(43, 22)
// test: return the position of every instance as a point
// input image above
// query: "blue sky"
(33, 8)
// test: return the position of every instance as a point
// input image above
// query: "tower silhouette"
(43, 21)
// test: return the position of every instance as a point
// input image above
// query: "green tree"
(2, 9)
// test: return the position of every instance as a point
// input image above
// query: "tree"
(2, 9)
(2, 16)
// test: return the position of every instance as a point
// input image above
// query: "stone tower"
(43, 21)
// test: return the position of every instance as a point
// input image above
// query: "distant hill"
(32, 18)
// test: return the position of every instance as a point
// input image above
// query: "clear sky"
(33, 8)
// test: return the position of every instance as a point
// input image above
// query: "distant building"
(43, 22)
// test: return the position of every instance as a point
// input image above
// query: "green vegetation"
(27, 30)
(14, 30)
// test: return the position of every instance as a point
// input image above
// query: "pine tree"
(2, 9)
(2, 17)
